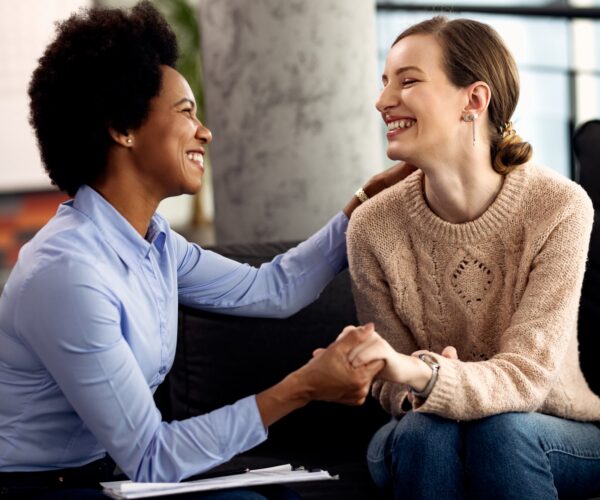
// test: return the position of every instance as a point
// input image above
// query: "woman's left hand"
(381, 181)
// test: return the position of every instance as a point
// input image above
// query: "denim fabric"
(506, 456)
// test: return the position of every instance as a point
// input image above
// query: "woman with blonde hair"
(474, 266)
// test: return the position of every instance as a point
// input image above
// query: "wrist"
(296, 389)
(277, 401)
(433, 366)
(422, 375)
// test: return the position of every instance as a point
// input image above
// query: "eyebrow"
(184, 99)
(403, 69)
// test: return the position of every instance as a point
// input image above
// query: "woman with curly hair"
(88, 317)
(474, 266)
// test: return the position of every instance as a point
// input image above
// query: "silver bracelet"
(435, 367)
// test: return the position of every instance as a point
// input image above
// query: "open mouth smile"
(403, 123)
(398, 124)
(196, 158)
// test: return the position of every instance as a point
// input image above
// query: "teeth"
(405, 123)
(196, 157)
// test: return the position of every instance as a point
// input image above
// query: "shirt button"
(162, 371)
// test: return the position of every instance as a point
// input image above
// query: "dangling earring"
(471, 117)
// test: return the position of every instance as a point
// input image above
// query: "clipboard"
(270, 475)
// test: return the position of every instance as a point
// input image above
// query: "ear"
(478, 95)
(123, 139)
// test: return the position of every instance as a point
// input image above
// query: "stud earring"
(471, 117)
(129, 140)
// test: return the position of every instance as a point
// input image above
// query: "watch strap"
(435, 367)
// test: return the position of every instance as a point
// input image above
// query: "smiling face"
(168, 148)
(419, 104)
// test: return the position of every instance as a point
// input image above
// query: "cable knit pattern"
(503, 289)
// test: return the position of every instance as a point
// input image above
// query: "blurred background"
(288, 89)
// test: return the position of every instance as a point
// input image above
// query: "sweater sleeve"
(534, 345)
(374, 303)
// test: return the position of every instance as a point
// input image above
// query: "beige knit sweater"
(503, 289)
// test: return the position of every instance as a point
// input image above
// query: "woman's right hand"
(381, 181)
(328, 376)
(398, 368)
(333, 378)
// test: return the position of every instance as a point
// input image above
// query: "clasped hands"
(360, 355)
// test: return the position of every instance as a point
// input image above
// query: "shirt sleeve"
(277, 289)
(74, 329)
(533, 347)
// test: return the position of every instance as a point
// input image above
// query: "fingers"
(333, 378)
(364, 330)
(399, 172)
(374, 367)
(365, 352)
(352, 336)
(345, 332)
(450, 352)
(362, 380)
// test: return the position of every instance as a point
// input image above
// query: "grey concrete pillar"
(290, 87)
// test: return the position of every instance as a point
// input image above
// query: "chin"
(192, 189)
(397, 154)
(192, 184)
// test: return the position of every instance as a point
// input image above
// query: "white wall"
(26, 27)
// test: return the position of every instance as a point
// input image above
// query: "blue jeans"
(507, 456)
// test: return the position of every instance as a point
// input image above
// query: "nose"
(203, 134)
(386, 100)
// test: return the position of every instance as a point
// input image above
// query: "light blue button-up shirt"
(88, 328)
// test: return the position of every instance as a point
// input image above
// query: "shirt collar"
(117, 231)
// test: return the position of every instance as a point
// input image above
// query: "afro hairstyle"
(100, 72)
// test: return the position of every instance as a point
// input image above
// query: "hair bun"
(510, 150)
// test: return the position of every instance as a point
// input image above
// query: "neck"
(124, 191)
(463, 191)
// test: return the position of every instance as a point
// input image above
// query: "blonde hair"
(473, 51)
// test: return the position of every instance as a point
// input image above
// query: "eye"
(189, 112)
(383, 83)
(407, 82)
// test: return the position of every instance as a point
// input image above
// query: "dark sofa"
(221, 359)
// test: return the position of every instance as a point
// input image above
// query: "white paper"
(271, 475)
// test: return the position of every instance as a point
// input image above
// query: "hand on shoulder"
(379, 182)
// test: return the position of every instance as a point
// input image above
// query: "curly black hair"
(100, 72)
